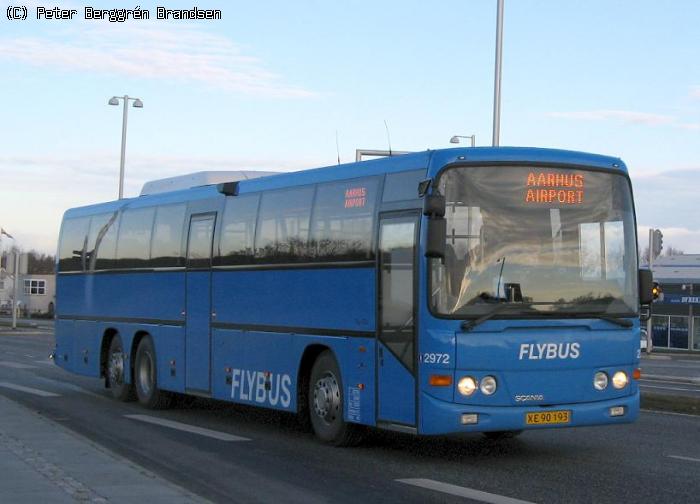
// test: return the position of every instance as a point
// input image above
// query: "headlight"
(467, 386)
(488, 385)
(600, 381)
(620, 380)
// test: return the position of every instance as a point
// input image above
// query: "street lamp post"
(137, 104)
(456, 139)
(497, 76)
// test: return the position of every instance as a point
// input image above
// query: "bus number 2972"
(435, 358)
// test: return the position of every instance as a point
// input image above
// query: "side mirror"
(435, 244)
(646, 284)
(434, 205)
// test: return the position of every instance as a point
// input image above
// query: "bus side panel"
(65, 337)
(357, 367)
(86, 348)
(323, 298)
(254, 368)
(170, 355)
(260, 368)
(157, 296)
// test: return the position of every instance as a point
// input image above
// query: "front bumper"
(442, 417)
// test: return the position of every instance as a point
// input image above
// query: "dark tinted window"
(72, 247)
(133, 247)
(102, 241)
(283, 226)
(402, 186)
(200, 241)
(343, 220)
(238, 230)
(166, 246)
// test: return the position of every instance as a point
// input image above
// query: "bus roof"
(430, 160)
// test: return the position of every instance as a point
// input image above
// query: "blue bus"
(449, 291)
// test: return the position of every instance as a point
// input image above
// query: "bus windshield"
(545, 240)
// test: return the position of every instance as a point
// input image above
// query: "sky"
(271, 84)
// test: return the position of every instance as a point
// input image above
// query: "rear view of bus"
(532, 316)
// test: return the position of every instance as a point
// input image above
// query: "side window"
(402, 185)
(134, 243)
(283, 226)
(238, 230)
(71, 250)
(166, 246)
(102, 241)
(199, 244)
(343, 220)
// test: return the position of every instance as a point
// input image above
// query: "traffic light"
(657, 242)
(656, 292)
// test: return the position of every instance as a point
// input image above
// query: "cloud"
(165, 52)
(627, 116)
(668, 201)
(695, 92)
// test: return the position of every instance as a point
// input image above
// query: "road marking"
(28, 390)
(16, 365)
(670, 413)
(681, 457)
(666, 381)
(459, 491)
(222, 436)
(669, 388)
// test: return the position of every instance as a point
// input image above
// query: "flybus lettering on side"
(262, 387)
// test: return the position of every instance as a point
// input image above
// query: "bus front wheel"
(145, 377)
(326, 404)
(116, 372)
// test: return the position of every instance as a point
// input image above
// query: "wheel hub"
(327, 397)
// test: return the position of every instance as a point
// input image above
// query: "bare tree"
(672, 251)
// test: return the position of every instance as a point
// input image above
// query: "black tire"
(326, 403)
(501, 435)
(146, 377)
(115, 372)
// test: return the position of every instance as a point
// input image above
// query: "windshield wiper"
(615, 320)
(468, 326)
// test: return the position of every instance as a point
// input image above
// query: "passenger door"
(198, 312)
(396, 346)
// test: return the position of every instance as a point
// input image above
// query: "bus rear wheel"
(326, 402)
(116, 372)
(146, 377)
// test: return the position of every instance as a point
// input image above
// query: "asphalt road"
(671, 374)
(251, 455)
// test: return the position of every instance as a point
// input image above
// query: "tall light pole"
(114, 100)
(497, 75)
(456, 139)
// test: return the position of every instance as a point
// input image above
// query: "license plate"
(548, 417)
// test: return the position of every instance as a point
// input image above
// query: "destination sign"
(554, 187)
